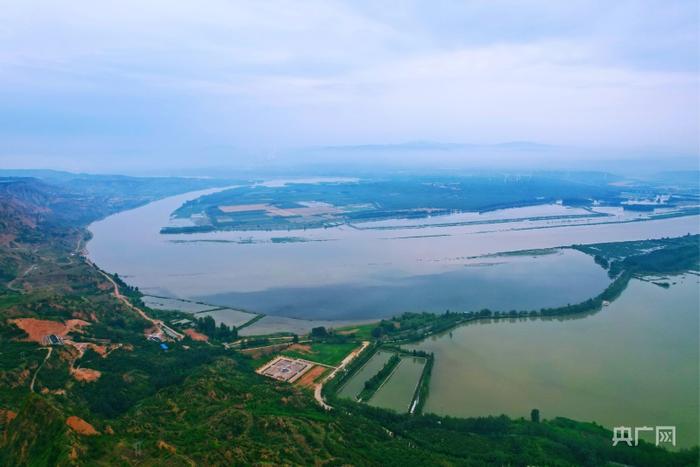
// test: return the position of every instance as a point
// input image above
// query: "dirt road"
(48, 354)
(318, 388)
(118, 295)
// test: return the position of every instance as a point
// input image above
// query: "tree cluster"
(222, 332)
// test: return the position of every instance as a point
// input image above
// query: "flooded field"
(634, 363)
(396, 393)
(162, 303)
(376, 271)
(272, 324)
(398, 390)
(229, 316)
(352, 388)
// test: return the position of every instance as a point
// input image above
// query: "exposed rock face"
(80, 426)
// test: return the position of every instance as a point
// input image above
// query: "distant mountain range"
(439, 146)
(422, 156)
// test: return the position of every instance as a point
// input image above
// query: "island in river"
(377, 268)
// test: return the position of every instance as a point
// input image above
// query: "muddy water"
(634, 363)
(345, 273)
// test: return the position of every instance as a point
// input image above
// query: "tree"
(600, 260)
(223, 332)
(535, 415)
(319, 332)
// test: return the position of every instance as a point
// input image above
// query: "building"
(53, 339)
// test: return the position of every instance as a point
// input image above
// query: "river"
(346, 273)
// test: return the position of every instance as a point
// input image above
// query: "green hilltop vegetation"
(124, 400)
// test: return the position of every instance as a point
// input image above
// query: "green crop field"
(322, 352)
(360, 332)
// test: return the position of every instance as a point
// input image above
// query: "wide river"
(370, 270)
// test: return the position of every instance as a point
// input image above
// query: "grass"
(361, 332)
(321, 352)
(260, 361)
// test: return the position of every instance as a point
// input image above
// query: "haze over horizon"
(130, 87)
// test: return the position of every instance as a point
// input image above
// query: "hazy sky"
(90, 84)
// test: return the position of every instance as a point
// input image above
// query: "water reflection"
(634, 363)
(364, 274)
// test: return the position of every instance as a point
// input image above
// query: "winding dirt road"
(48, 354)
(118, 295)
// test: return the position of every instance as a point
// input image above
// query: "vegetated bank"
(623, 260)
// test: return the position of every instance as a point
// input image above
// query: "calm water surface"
(397, 392)
(354, 386)
(349, 274)
(634, 363)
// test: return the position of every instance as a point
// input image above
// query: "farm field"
(326, 353)
(360, 331)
